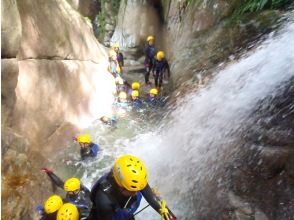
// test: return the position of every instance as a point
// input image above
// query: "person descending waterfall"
(76, 193)
(117, 194)
(87, 147)
(149, 52)
(50, 208)
(114, 67)
(160, 67)
(119, 55)
(136, 101)
(68, 212)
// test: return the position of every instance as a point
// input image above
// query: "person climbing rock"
(119, 55)
(117, 194)
(76, 193)
(149, 52)
(114, 67)
(50, 208)
(68, 212)
(160, 67)
(136, 101)
(87, 147)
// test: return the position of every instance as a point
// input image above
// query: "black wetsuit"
(110, 204)
(149, 60)
(81, 200)
(51, 216)
(159, 68)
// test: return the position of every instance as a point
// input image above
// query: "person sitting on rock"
(114, 67)
(87, 147)
(136, 101)
(68, 212)
(160, 67)
(149, 52)
(119, 55)
(76, 193)
(117, 194)
(50, 208)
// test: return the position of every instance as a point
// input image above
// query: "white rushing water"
(199, 134)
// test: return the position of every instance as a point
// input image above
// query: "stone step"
(134, 69)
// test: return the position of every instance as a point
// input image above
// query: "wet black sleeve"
(55, 179)
(151, 198)
(104, 208)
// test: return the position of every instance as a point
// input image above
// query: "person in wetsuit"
(160, 67)
(117, 194)
(149, 52)
(87, 147)
(50, 208)
(136, 101)
(76, 193)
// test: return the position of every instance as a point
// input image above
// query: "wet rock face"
(202, 34)
(263, 173)
(56, 31)
(56, 75)
(23, 185)
(10, 29)
(144, 21)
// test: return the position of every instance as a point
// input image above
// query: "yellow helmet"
(135, 85)
(52, 204)
(130, 173)
(72, 184)
(68, 212)
(153, 91)
(84, 138)
(160, 55)
(115, 45)
(112, 53)
(149, 38)
(122, 95)
(135, 93)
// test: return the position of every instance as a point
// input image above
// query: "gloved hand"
(164, 211)
(40, 209)
(46, 170)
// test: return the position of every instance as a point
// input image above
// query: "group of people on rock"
(117, 194)
(155, 63)
(129, 95)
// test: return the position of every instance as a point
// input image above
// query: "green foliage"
(258, 5)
